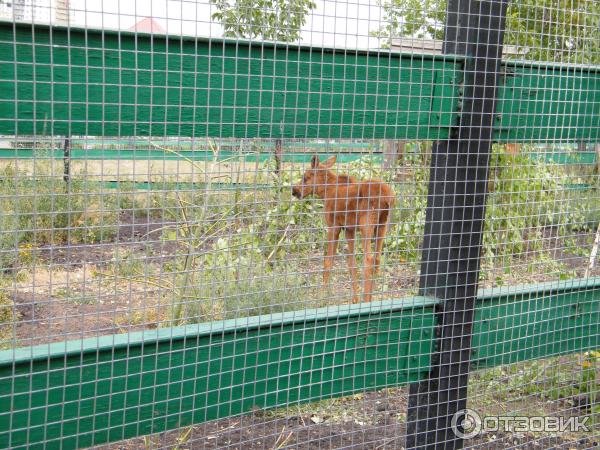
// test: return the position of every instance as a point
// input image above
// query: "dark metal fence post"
(454, 222)
(67, 160)
(278, 155)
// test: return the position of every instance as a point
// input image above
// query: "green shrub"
(239, 291)
(41, 211)
(8, 316)
(525, 197)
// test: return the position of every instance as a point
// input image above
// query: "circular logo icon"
(466, 424)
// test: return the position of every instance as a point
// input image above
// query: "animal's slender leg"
(380, 232)
(367, 233)
(351, 258)
(379, 238)
(333, 235)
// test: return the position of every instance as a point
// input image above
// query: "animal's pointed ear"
(329, 162)
(314, 162)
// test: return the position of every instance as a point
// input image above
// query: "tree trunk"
(393, 152)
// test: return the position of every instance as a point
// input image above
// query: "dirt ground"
(373, 421)
(64, 294)
(61, 296)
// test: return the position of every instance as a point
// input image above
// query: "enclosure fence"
(298, 224)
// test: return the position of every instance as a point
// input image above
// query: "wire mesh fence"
(297, 224)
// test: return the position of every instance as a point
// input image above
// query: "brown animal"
(350, 205)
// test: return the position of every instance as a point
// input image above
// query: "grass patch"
(42, 210)
(226, 293)
(8, 317)
(540, 387)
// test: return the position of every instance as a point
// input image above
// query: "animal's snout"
(296, 192)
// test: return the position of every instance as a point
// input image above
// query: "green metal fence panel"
(565, 157)
(82, 393)
(548, 102)
(553, 156)
(525, 323)
(189, 144)
(176, 154)
(126, 84)
(251, 90)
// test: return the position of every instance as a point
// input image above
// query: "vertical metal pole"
(454, 223)
(393, 151)
(278, 154)
(67, 160)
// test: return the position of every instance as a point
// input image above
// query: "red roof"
(148, 25)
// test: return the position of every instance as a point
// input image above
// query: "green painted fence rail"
(90, 143)
(88, 82)
(548, 102)
(566, 157)
(175, 154)
(521, 323)
(135, 186)
(132, 186)
(88, 392)
(551, 156)
(93, 391)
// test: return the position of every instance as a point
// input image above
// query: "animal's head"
(314, 177)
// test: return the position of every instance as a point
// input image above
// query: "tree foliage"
(274, 20)
(414, 18)
(547, 30)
